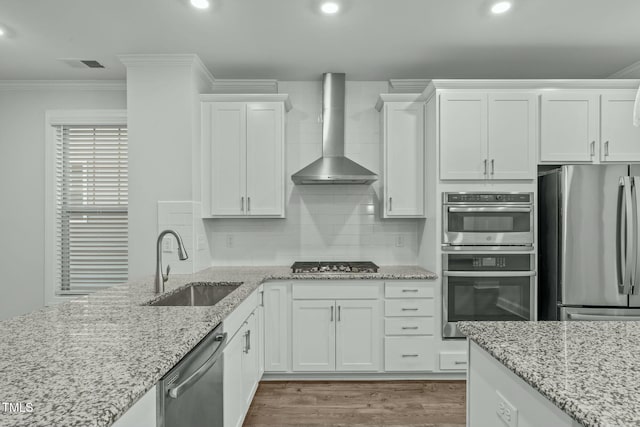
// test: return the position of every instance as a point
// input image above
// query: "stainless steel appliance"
(588, 243)
(487, 219)
(190, 394)
(334, 267)
(492, 285)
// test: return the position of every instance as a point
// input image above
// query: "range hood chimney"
(333, 167)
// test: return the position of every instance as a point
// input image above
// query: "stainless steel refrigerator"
(588, 257)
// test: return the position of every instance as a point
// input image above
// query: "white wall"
(22, 194)
(323, 222)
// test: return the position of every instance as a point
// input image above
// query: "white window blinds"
(91, 207)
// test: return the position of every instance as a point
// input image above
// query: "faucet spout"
(161, 278)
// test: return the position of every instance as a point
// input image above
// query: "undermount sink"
(197, 294)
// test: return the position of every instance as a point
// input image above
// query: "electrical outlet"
(230, 240)
(399, 241)
(506, 411)
(167, 244)
(200, 243)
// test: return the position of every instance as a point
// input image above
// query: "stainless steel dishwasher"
(190, 395)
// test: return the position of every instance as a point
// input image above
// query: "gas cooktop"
(333, 267)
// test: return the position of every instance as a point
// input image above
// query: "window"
(90, 206)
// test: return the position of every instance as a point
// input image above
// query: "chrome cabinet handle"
(331, 320)
(248, 340)
(485, 166)
(606, 148)
(410, 355)
(410, 327)
(409, 290)
(593, 148)
(242, 204)
(409, 309)
(339, 313)
(248, 204)
(174, 391)
(458, 362)
(493, 166)
(390, 204)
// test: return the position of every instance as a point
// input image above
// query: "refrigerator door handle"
(625, 235)
(635, 286)
(578, 316)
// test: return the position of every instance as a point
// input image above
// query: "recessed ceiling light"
(500, 7)
(200, 4)
(330, 8)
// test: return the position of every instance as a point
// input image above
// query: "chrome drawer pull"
(409, 290)
(410, 355)
(457, 362)
(409, 327)
(409, 309)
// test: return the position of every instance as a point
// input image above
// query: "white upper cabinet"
(569, 125)
(243, 155)
(463, 136)
(487, 135)
(404, 161)
(227, 127)
(512, 135)
(620, 141)
(265, 159)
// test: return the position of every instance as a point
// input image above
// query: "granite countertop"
(86, 361)
(590, 370)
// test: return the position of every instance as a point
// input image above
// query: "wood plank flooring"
(358, 404)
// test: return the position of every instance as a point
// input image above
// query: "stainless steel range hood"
(333, 167)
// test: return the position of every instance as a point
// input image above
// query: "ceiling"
(290, 40)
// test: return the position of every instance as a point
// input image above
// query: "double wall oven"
(488, 259)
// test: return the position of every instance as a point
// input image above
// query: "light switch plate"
(506, 411)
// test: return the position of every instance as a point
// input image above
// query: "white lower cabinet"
(277, 327)
(232, 390)
(410, 353)
(314, 335)
(497, 397)
(358, 337)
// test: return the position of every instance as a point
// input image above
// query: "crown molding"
(248, 97)
(166, 60)
(93, 85)
(408, 85)
(397, 97)
(245, 86)
(547, 84)
(631, 71)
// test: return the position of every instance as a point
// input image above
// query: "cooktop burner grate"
(334, 267)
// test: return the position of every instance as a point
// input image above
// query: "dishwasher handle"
(175, 391)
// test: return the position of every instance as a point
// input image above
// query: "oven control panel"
(520, 198)
(488, 262)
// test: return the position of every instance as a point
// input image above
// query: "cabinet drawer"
(408, 290)
(336, 289)
(405, 354)
(408, 326)
(409, 307)
(453, 361)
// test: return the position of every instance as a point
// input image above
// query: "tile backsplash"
(323, 222)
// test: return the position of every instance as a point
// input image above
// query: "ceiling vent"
(81, 63)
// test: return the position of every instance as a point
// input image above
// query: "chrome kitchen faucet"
(161, 278)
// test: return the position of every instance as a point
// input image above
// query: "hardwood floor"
(358, 403)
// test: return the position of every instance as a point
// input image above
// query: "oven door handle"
(489, 273)
(491, 209)
(175, 391)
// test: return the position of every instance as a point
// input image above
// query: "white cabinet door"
(265, 159)
(569, 126)
(512, 133)
(404, 159)
(233, 394)
(358, 335)
(228, 158)
(277, 323)
(250, 361)
(620, 139)
(463, 136)
(314, 335)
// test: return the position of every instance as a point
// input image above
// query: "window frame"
(55, 118)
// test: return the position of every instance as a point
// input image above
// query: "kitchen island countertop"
(86, 361)
(590, 370)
